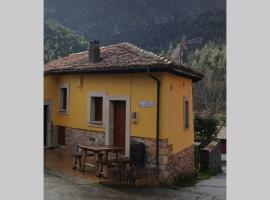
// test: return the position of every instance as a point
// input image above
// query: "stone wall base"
(165, 151)
(170, 165)
(181, 164)
(75, 136)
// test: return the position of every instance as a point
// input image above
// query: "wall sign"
(146, 103)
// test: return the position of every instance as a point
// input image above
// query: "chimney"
(93, 51)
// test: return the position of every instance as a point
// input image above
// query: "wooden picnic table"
(98, 151)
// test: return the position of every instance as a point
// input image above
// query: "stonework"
(79, 136)
(165, 151)
(170, 166)
(181, 164)
(211, 158)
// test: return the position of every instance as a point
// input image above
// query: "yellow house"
(118, 95)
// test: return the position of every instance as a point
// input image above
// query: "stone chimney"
(93, 51)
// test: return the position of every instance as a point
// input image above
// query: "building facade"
(118, 95)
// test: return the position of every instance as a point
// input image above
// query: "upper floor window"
(186, 112)
(63, 98)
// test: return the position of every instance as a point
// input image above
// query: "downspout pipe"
(157, 116)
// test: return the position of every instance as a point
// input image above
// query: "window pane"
(64, 98)
(98, 108)
(186, 106)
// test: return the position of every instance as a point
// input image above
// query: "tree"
(205, 128)
(170, 50)
(210, 93)
(60, 41)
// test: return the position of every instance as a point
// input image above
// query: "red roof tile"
(122, 57)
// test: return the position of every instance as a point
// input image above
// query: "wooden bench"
(78, 159)
(98, 156)
(103, 167)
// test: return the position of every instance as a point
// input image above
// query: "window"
(186, 112)
(96, 109)
(63, 99)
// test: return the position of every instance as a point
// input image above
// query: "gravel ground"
(61, 188)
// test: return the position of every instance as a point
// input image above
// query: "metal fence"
(140, 176)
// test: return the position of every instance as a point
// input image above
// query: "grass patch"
(203, 176)
(188, 181)
(95, 184)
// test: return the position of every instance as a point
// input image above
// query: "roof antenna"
(184, 46)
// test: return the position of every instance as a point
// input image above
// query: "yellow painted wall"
(173, 90)
(138, 87)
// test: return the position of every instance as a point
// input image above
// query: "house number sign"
(146, 103)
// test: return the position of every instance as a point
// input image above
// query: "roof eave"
(194, 76)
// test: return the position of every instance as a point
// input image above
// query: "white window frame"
(91, 111)
(63, 111)
(186, 99)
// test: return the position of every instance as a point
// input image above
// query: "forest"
(157, 26)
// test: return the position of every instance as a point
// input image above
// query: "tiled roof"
(222, 133)
(212, 145)
(122, 57)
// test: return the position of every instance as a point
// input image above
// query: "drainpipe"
(157, 117)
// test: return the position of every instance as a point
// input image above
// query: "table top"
(100, 147)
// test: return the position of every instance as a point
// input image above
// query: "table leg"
(98, 157)
(80, 163)
(98, 166)
(106, 155)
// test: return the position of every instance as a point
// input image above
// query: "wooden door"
(61, 135)
(119, 124)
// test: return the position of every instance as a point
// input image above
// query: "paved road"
(57, 188)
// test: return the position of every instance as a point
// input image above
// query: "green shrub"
(205, 128)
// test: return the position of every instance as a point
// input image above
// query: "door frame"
(109, 121)
(49, 128)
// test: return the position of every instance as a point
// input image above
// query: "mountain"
(151, 24)
(60, 41)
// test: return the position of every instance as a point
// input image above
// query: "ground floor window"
(96, 108)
